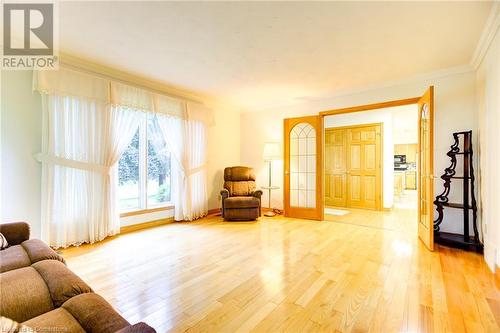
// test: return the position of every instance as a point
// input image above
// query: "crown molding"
(418, 78)
(72, 62)
(487, 36)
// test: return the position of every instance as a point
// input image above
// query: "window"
(144, 170)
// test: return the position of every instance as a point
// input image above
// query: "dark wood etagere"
(468, 204)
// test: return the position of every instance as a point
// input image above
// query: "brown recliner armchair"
(240, 198)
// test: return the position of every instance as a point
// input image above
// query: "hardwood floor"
(361, 272)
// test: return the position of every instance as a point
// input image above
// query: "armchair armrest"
(257, 193)
(224, 193)
(16, 232)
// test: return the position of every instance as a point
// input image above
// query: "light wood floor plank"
(361, 272)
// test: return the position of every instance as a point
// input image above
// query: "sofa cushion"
(13, 257)
(239, 173)
(137, 328)
(25, 254)
(37, 250)
(24, 294)
(58, 320)
(94, 314)
(61, 281)
(8, 325)
(241, 202)
(239, 180)
(240, 188)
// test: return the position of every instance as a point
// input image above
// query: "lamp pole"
(269, 188)
(270, 182)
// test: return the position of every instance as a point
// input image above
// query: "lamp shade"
(272, 151)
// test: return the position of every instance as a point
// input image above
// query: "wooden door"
(364, 167)
(426, 168)
(303, 183)
(335, 167)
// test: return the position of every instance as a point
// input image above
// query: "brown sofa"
(38, 291)
(241, 201)
(23, 251)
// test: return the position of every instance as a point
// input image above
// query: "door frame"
(381, 105)
(380, 168)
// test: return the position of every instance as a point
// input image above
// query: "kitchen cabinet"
(410, 150)
(399, 182)
(411, 180)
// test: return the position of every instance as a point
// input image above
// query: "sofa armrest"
(16, 232)
(224, 193)
(257, 193)
(137, 328)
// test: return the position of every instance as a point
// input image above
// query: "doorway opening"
(370, 160)
(304, 167)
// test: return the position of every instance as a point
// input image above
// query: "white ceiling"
(256, 55)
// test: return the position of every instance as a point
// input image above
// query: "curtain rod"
(136, 85)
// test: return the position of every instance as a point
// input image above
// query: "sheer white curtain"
(88, 123)
(186, 140)
(82, 141)
(195, 159)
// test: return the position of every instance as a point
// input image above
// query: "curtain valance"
(65, 82)
(131, 97)
(68, 82)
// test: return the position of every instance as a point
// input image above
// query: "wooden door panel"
(368, 135)
(335, 167)
(339, 191)
(354, 198)
(370, 191)
(354, 135)
(338, 186)
(339, 162)
(328, 182)
(355, 158)
(338, 137)
(370, 158)
(329, 167)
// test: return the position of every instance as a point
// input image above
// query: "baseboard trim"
(214, 211)
(146, 225)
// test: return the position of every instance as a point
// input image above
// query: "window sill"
(146, 211)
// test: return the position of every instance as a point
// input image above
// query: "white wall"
(405, 124)
(223, 151)
(21, 138)
(456, 110)
(383, 116)
(21, 132)
(488, 86)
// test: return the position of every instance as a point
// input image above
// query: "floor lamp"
(271, 153)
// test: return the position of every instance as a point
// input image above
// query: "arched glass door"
(303, 185)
